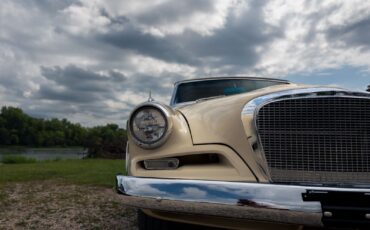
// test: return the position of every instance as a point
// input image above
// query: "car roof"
(230, 77)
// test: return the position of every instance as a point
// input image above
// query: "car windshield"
(196, 90)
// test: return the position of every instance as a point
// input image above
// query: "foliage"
(18, 128)
(99, 172)
(16, 159)
(106, 141)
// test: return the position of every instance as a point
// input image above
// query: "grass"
(22, 149)
(16, 159)
(100, 172)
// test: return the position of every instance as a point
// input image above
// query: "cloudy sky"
(91, 61)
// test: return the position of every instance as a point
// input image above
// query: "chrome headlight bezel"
(165, 111)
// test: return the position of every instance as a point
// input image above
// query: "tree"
(4, 136)
(18, 128)
(14, 140)
(106, 141)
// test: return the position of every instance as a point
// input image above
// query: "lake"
(45, 153)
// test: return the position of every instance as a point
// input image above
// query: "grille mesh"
(318, 139)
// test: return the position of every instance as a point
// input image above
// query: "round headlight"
(149, 126)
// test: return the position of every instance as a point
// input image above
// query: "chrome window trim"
(233, 77)
(167, 111)
(253, 107)
(172, 102)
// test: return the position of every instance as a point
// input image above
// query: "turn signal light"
(157, 164)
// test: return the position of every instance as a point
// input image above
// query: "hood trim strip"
(251, 106)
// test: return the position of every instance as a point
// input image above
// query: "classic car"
(250, 153)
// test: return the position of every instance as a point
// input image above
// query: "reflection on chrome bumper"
(265, 202)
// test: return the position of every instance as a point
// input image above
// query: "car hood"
(214, 120)
(223, 121)
(220, 121)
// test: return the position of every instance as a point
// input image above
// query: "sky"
(93, 61)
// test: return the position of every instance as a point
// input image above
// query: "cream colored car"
(250, 153)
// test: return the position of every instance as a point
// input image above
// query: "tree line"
(18, 128)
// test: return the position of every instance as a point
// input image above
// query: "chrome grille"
(323, 139)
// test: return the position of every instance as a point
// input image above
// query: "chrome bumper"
(254, 201)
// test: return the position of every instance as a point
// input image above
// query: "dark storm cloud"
(79, 79)
(352, 34)
(129, 37)
(234, 44)
(80, 92)
(132, 38)
(68, 95)
(75, 84)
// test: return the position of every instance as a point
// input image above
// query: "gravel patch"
(56, 205)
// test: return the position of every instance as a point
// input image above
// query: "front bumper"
(254, 201)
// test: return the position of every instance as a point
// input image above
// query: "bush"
(17, 159)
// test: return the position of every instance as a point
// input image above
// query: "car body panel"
(222, 127)
(220, 121)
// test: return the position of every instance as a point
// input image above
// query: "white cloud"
(194, 193)
(160, 18)
(305, 45)
(80, 19)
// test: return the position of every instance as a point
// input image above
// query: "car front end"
(280, 156)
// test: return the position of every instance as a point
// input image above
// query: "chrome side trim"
(266, 202)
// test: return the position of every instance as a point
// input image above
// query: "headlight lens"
(148, 126)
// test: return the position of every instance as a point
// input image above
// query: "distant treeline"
(18, 128)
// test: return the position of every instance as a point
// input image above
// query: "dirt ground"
(56, 205)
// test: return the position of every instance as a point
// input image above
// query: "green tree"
(14, 140)
(18, 128)
(4, 136)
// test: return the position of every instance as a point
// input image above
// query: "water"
(45, 153)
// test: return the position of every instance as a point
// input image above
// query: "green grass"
(22, 149)
(99, 172)
(17, 159)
